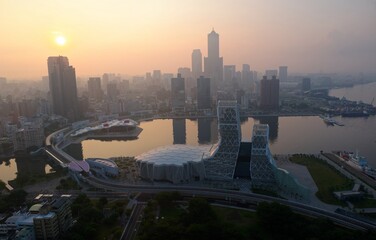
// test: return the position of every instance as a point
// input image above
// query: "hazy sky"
(136, 36)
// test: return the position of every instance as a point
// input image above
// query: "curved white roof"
(178, 154)
(105, 125)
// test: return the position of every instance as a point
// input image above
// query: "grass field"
(325, 176)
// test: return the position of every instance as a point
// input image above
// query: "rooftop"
(178, 154)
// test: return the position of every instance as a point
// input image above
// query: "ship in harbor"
(330, 121)
(355, 114)
(358, 162)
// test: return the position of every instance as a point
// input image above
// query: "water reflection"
(178, 128)
(75, 150)
(204, 130)
(272, 121)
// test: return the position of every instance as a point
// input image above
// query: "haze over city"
(133, 37)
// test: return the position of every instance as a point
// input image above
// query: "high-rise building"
(270, 73)
(283, 73)
(196, 63)
(157, 77)
(213, 64)
(229, 72)
(63, 87)
(203, 93)
(95, 88)
(112, 91)
(247, 81)
(186, 73)
(306, 84)
(178, 93)
(269, 93)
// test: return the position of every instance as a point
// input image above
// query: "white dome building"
(175, 163)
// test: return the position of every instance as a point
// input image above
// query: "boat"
(329, 121)
(355, 114)
(358, 162)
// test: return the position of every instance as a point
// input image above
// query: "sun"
(60, 40)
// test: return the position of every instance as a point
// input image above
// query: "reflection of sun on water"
(60, 40)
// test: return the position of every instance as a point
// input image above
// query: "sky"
(133, 37)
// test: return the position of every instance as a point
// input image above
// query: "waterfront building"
(29, 134)
(222, 162)
(203, 93)
(63, 87)
(178, 93)
(262, 162)
(213, 64)
(283, 73)
(95, 88)
(176, 163)
(306, 84)
(269, 93)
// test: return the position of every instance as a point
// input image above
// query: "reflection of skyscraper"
(204, 130)
(203, 93)
(213, 64)
(63, 87)
(178, 127)
(272, 121)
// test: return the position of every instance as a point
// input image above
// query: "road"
(134, 223)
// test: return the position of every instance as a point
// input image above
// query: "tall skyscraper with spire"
(213, 64)
(63, 87)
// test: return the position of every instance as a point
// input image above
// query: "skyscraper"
(63, 88)
(269, 93)
(270, 73)
(95, 89)
(203, 93)
(177, 93)
(213, 64)
(283, 73)
(196, 63)
(247, 78)
(229, 72)
(306, 84)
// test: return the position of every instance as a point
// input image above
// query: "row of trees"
(271, 221)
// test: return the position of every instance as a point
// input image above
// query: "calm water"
(364, 93)
(287, 135)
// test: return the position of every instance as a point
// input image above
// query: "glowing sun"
(60, 40)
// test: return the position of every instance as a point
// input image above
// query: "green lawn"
(364, 203)
(325, 176)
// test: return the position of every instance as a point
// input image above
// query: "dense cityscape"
(210, 150)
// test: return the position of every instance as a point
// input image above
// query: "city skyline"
(134, 38)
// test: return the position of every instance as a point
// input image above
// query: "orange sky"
(133, 37)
